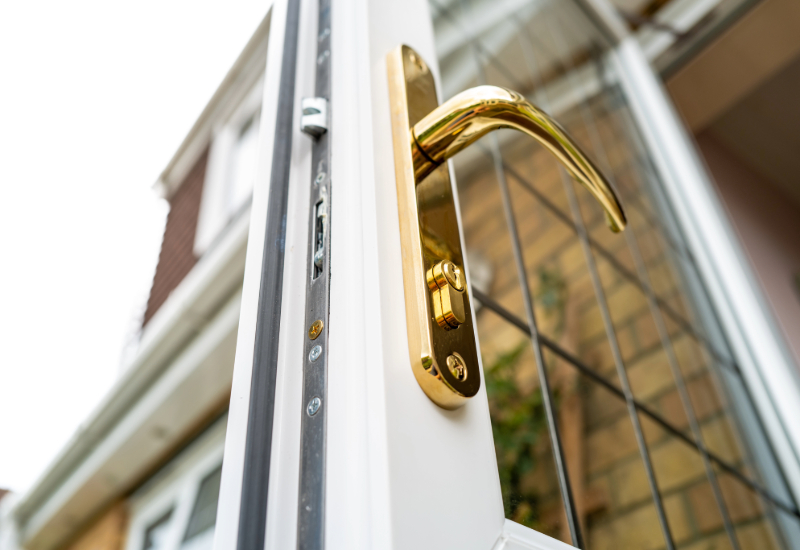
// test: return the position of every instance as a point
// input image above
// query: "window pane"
(204, 512)
(155, 536)
(243, 165)
(693, 409)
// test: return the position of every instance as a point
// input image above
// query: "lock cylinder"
(447, 285)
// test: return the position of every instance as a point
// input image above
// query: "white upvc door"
(401, 472)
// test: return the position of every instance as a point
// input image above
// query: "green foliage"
(552, 297)
(518, 417)
(518, 421)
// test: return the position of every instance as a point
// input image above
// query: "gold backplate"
(429, 233)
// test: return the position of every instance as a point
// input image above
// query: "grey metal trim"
(258, 446)
(311, 498)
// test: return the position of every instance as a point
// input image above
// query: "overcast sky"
(95, 97)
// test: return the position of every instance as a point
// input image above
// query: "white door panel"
(651, 410)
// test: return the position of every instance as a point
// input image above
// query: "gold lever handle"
(441, 337)
(470, 115)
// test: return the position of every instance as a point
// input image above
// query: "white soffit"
(183, 323)
(191, 388)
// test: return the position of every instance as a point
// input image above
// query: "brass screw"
(457, 366)
(315, 329)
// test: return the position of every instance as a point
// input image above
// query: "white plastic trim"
(387, 442)
(519, 537)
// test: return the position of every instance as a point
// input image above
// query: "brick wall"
(105, 533)
(177, 256)
(608, 476)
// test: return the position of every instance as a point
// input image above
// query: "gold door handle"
(441, 337)
(470, 115)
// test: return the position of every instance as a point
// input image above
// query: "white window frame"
(176, 490)
(214, 215)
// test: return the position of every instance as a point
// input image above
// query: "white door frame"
(283, 473)
(401, 472)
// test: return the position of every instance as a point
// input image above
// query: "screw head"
(315, 329)
(315, 352)
(320, 178)
(313, 406)
(457, 366)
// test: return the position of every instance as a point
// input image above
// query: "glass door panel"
(661, 441)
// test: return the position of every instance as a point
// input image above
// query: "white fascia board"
(195, 383)
(190, 306)
(246, 70)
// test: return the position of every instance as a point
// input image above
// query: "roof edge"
(240, 75)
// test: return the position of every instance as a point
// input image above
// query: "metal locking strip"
(315, 122)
